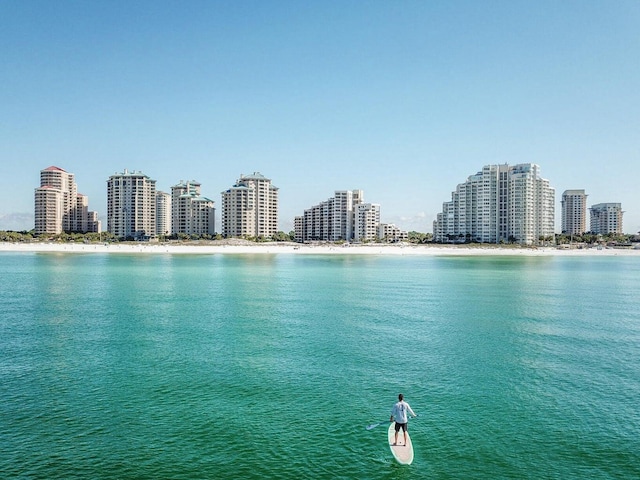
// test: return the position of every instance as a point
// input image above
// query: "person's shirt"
(400, 410)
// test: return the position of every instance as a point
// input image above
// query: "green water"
(271, 366)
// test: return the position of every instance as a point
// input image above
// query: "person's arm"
(411, 411)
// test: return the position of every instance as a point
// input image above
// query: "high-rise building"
(344, 216)
(163, 213)
(606, 218)
(499, 203)
(298, 223)
(367, 221)
(343, 206)
(250, 208)
(191, 213)
(574, 212)
(131, 205)
(59, 207)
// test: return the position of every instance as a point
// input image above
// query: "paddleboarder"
(399, 413)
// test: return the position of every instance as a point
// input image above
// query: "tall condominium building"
(499, 203)
(606, 218)
(574, 212)
(298, 223)
(250, 208)
(163, 213)
(341, 215)
(330, 220)
(191, 213)
(131, 205)
(59, 207)
(344, 216)
(367, 222)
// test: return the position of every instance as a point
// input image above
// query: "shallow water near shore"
(271, 366)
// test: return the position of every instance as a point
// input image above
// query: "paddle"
(374, 425)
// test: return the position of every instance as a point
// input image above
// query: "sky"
(401, 99)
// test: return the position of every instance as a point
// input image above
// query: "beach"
(245, 247)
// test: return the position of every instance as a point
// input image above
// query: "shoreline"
(310, 249)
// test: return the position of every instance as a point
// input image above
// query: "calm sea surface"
(271, 366)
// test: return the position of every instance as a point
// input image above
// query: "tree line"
(412, 237)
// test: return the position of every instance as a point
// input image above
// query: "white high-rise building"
(574, 212)
(606, 218)
(250, 208)
(344, 217)
(131, 205)
(341, 215)
(499, 203)
(59, 207)
(367, 222)
(191, 213)
(163, 213)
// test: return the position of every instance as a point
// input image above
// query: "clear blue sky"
(402, 99)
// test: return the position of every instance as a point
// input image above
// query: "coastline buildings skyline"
(499, 203)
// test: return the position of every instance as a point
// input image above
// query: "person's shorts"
(402, 426)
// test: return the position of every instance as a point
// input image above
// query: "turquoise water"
(271, 366)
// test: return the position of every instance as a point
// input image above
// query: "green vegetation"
(67, 237)
(16, 236)
(417, 237)
(592, 239)
(586, 239)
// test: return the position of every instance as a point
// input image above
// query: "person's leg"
(397, 427)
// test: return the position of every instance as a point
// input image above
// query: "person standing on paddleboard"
(399, 413)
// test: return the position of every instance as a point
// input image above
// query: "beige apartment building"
(191, 213)
(250, 208)
(574, 212)
(163, 213)
(59, 207)
(131, 205)
(606, 218)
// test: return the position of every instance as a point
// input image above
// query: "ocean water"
(271, 366)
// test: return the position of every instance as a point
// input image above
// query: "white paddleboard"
(401, 452)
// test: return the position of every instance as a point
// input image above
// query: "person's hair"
(400, 396)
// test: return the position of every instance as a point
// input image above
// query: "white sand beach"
(308, 249)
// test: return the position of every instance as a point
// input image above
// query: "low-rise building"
(389, 232)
